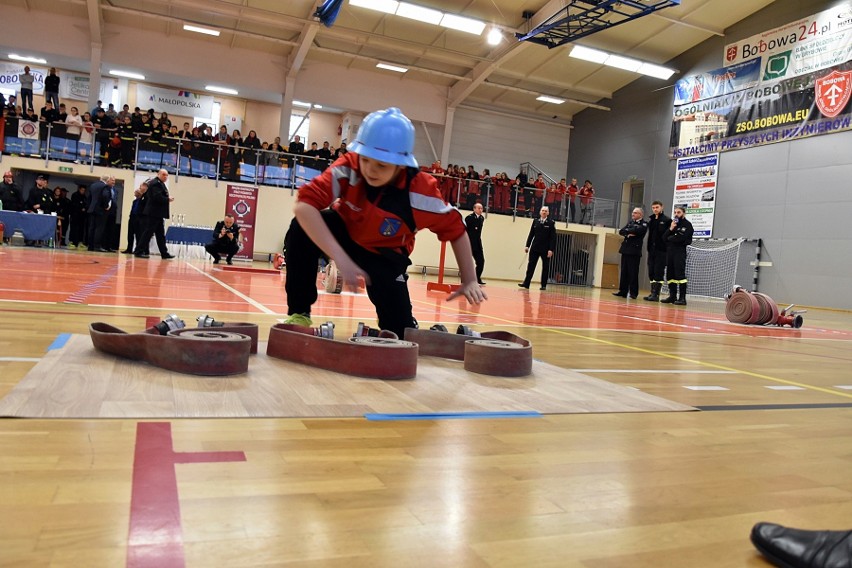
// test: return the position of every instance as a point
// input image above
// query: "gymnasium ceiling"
(506, 78)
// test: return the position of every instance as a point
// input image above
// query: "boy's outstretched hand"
(472, 291)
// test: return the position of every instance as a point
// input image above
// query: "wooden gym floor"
(588, 490)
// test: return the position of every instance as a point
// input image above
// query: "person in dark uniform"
(127, 136)
(78, 214)
(62, 208)
(658, 226)
(473, 224)
(631, 255)
(10, 194)
(226, 239)
(156, 209)
(540, 243)
(133, 227)
(678, 237)
(101, 213)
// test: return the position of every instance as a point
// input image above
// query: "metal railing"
(179, 156)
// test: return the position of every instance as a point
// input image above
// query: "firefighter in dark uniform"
(226, 240)
(678, 237)
(127, 136)
(540, 244)
(631, 255)
(658, 226)
(473, 224)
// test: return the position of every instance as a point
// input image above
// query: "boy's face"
(376, 173)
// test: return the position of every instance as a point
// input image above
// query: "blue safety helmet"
(388, 136)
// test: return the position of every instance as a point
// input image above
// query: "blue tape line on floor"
(60, 341)
(453, 415)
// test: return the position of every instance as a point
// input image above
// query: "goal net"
(713, 266)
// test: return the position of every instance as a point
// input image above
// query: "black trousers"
(98, 230)
(133, 231)
(78, 229)
(479, 259)
(656, 266)
(217, 249)
(153, 228)
(388, 289)
(545, 267)
(676, 264)
(573, 207)
(628, 283)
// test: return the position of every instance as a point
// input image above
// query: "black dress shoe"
(619, 294)
(167, 256)
(543, 288)
(216, 260)
(631, 297)
(128, 251)
(103, 250)
(481, 283)
(521, 285)
(142, 256)
(795, 548)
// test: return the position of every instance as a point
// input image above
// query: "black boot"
(654, 296)
(800, 548)
(681, 297)
(672, 295)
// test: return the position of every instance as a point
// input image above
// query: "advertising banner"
(9, 76)
(76, 86)
(173, 101)
(787, 83)
(241, 202)
(695, 190)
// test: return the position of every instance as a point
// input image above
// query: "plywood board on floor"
(78, 382)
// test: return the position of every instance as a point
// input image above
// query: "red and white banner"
(241, 202)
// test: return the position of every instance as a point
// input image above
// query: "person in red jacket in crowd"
(561, 190)
(587, 202)
(551, 196)
(363, 212)
(540, 188)
(572, 191)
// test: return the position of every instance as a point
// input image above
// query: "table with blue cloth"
(34, 227)
(188, 242)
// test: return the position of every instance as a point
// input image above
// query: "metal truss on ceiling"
(585, 17)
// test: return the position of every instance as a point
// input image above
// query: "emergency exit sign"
(66, 169)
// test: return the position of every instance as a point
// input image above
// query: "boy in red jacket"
(363, 212)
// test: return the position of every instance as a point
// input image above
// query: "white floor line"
(234, 291)
(21, 359)
(656, 371)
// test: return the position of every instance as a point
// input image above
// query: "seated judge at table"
(226, 240)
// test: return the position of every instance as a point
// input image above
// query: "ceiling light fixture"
(27, 58)
(200, 30)
(495, 36)
(621, 62)
(546, 99)
(389, 67)
(386, 6)
(301, 104)
(419, 13)
(462, 24)
(127, 75)
(223, 90)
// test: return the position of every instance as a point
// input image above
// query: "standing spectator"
(127, 139)
(133, 219)
(324, 154)
(472, 189)
(98, 107)
(74, 124)
(78, 214)
(561, 190)
(87, 134)
(226, 240)
(101, 211)
(587, 202)
(551, 196)
(62, 208)
(51, 87)
(10, 194)
(251, 145)
(296, 148)
(26, 80)
(63, 114)
(473, 224)
(125, 113)
(111, 113)
(48, 113)
(156, 209)
(678, 237)
(658, 226)
(341, 151)
(40, 199)
(313, 153)
(572, 191)
(631, 255)
(540, 243)
(540, 188)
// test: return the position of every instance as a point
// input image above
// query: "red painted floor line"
(155, 539)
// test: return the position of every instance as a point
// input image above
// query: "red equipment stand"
(440, 286)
